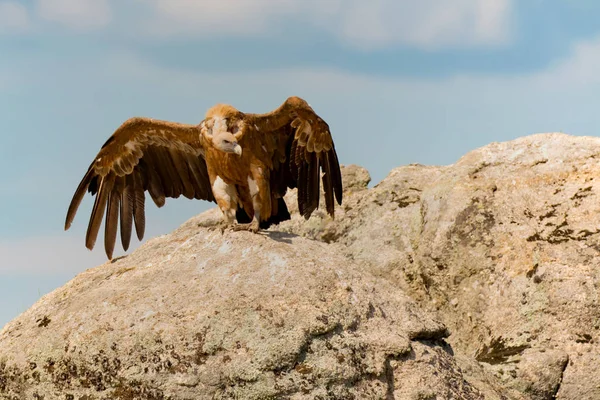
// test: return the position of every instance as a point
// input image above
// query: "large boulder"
(503, 246)
(197, 314)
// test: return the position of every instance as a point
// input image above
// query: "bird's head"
(223, 127)
(227, 143)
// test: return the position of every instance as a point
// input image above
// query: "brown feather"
(199, 176)
(205, 182)
(293, 164)
(302, 189)
(158, 166)
(310, 143)
(164, 169)
(182, 172)
(77, 197)
(299, 158)
(126, 211)
(139, 199)
(307, 155)
(327, 186)
(118, 168)
(312, 195)
(104, 189)
(112, 221)
(154, 185)
(336, 175)
(169, 166)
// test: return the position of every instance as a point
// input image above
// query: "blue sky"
(398, 81)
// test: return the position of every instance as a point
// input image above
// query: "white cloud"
(220, 17)
(493, 20)
(216, 17)
(76, 14)
(14, 17)
(372, 24)
(429, 24)
(426, 23)
(580, 68)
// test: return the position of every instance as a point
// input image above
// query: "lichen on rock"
(477, 280)
(197, 314)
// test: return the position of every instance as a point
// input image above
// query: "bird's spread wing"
(164, 158)
(297, 145)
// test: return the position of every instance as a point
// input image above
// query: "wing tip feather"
(78, 197)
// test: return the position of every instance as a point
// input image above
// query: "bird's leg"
(253, 226)
(227, 221)
(259, 193)
(226, 198)
(221, 226)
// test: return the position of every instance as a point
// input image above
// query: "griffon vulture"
(243, 162)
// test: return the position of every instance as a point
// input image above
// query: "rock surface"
(503, 246)
(200, 315)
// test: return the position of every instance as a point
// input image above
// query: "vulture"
(243, 162)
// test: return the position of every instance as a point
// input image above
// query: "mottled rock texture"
(500, 250)
(201, 315)
(502, 246)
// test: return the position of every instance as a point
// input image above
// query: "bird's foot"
(252, 227)
(221, 226)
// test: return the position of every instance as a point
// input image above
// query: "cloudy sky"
(399, 81)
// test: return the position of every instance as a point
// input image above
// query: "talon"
(221, 226)
(240, 227)
(252, 227)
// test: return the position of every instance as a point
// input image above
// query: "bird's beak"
(238, 150)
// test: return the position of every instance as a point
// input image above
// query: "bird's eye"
(226, 141)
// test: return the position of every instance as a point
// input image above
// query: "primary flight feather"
(244, 162)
